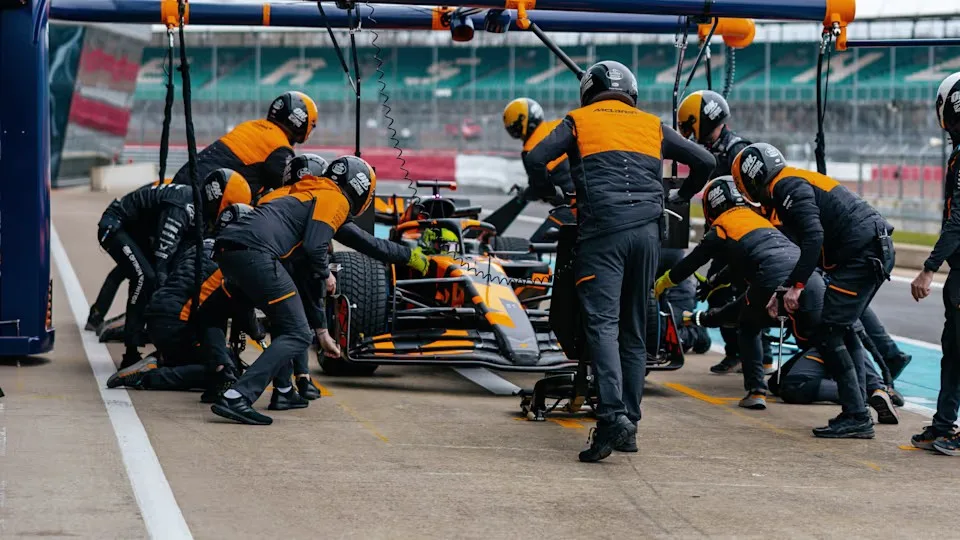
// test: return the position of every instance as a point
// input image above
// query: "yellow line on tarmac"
(722, 403)
(567, 423)
(909, 447)
(363, 422)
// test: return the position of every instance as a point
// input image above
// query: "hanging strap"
(709, 69)
(191, 160)
(704, 51)
(826, 49)
(167, 107)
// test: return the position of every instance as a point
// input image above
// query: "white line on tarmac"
(917, 343)
(161, 514)
(489, 380)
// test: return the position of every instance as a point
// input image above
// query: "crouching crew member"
(311, 287)
(755, 251)
(250, 254)
(616, 157)
(702, 116)
(523, 120)
(683, 299)
(853, 240)
(260, 149)
(940, 435)
(154, 221)
(191, 346)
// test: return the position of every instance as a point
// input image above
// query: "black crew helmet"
(295, 113)
(304, 165)
(357, 181)
(608, 80)
(719, 195)
(754, 168)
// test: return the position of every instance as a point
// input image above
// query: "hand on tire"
(331, 282)
(327, 344)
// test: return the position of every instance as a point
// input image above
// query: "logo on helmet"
(772, 152)
(712, 110)
(303, 172)
(360, 183)
(298, 117)
(615, 75)
(278, 104)
(339, 168)
(213, 191)
(751, 166)
(955, 100)
(716, 197)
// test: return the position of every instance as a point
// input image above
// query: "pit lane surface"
(425, 453)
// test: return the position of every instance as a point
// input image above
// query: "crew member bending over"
(523, 120)
(853, 240)
(251, 255)
(616, 154)
(260, 149)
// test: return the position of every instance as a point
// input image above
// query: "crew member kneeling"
(250, 255)
(853, 239)
(616, 154)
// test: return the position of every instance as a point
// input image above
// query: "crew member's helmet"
(948, 104)
(357, 181)
(608, 80)
(224, 187)
(438, 240)
(521, 117)
(754, 168)
(719, 195)
(700, 113)
(295, 113)
(304, 165)
(230, 215)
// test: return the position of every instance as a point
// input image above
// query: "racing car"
(479, 305)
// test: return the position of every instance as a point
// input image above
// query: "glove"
(673, 197)
(418, 261)
(663, 283)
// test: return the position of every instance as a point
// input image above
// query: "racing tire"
(364, 282)
(514, 243)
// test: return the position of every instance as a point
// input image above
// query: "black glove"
(557, 198)
(106, 228)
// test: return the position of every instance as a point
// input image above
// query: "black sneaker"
(132, 376)
(897, 364)
(886, 413)
(307, 389)
(285, 401)
(727, 365)
(604, 439)
(948, 446)
(94, 322)
(630, 446)
(929, 436)
(113, 334)
(896, 397)
(845, 427)
(239, 410)
(223, 381)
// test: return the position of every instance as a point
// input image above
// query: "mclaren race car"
(478, 305)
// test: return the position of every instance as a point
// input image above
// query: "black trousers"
(190, 356)
(108, 291)
(851, 287)
(615, 276)
(808, 380)
(265, 281)
(138, 269)
(948, 401)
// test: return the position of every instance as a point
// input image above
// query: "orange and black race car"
(476, 306)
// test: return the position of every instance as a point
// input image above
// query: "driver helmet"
(435, 241)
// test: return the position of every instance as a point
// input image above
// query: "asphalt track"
(426, 453)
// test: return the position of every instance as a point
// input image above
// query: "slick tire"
(364, 281)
